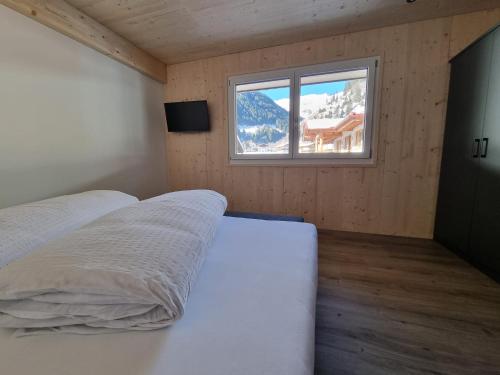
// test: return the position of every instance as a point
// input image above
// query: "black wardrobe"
(468, 210)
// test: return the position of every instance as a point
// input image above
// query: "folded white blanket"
(27, 227)
(130, 269)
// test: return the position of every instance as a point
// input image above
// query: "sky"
(318, 88)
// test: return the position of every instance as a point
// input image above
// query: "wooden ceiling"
(183, 30)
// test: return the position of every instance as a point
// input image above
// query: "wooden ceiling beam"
(64, 18)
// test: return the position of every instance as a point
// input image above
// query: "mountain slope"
(339, 105)
(255, 108)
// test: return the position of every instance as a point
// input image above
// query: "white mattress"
(251, 311)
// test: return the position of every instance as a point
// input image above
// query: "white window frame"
(293, 157)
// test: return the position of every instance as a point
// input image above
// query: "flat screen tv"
(187, 116)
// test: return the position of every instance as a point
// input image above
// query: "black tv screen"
(187, 116)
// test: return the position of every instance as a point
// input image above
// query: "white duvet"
(132, 269)
(27, 227)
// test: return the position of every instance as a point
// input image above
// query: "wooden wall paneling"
(63, 17)
(220, 174)
(273, 58)
(353, 200)
(245, 187)
(330, 49)
(315, 51)
(391, 118)
(412, 106)
(299, 192)
(467, 28)
(217, 145)
(257, 189)
(397, 196)
(302, 53)
(352, 205)
(367, 207)
(329, 181)
(271, 187)
(361, 209)
(330, 193)
(186, 153)
(187, 161)
(264, 185)
(244, 182)
(423, 125)
(272, 179)
(248, 62)
(363, 44)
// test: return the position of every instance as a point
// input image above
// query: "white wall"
(72, 119)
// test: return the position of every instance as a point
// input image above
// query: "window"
(318, 113)
(263, 126)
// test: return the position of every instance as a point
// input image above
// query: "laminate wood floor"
(391, 305)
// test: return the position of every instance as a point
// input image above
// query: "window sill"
(304, 162)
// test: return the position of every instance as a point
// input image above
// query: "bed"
(251, 311)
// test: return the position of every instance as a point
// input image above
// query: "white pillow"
(26, 227)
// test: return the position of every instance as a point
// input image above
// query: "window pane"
(262, 117)
(332, 112)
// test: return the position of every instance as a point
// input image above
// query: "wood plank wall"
(398, 196)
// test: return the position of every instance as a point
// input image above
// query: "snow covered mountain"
(338, 105)
(309, 104)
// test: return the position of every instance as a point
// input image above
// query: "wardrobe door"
(485, 238)
(460, 163)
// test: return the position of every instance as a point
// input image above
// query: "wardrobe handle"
(484, 148)
(476, 147)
